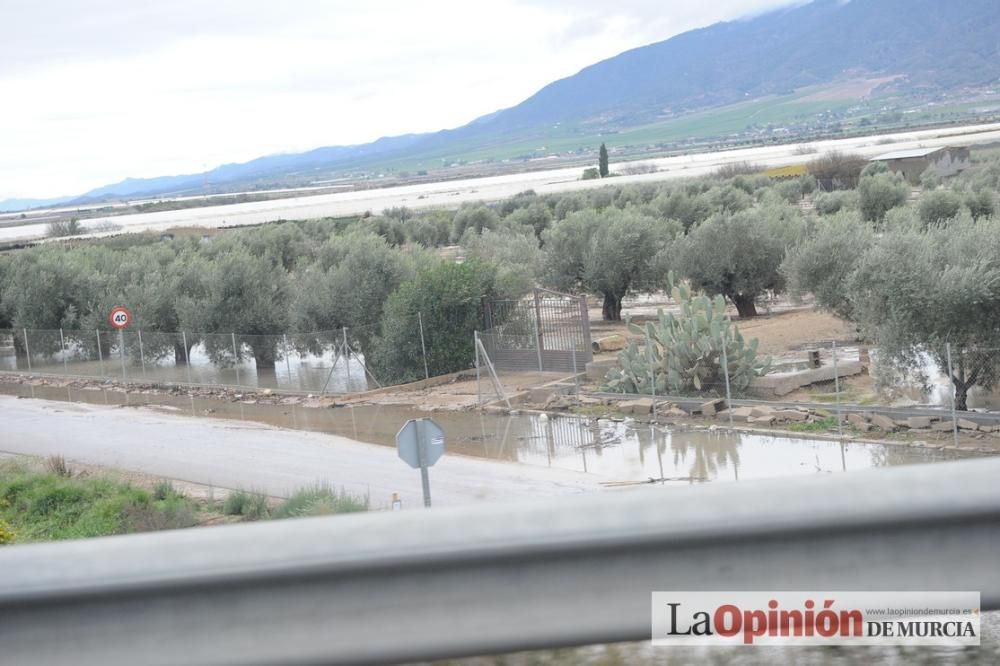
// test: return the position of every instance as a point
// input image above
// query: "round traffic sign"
(119, 317)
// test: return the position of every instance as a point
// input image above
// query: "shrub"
(164, 490)
(590, 174)
(880, 193)
(939, 205)
(70, 227)
(251, 505)
(57, 465)
(318, 500)
(7, 534)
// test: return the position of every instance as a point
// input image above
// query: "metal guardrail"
(391, 587)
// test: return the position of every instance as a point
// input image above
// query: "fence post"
(62, 347)
(423, 347)
(479, 390)
(236, 359)
(27, 349)
(576, 380)
(538, 340)
(954, 415)
(121, 352)
(652, 374)
(347, 359)
(187, 355)
(142, 354)
(100, 353)
(725, 373)
(288, 364)
(836, 392)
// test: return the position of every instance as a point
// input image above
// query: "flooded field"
(315, 373)
(617, 451)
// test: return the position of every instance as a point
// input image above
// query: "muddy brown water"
(617, 451)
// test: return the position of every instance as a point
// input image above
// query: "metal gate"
(547, 331)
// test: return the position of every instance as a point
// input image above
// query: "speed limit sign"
(119, 317)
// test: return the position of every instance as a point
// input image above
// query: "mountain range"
(927, 47)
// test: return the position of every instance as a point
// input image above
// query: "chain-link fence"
(331, 361)
(937, 385)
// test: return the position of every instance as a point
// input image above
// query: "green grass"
(51, 502)
(320, 500)
(828, 423)
(49, 506)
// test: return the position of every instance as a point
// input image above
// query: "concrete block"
(883, 423)
(943, 425)
(540, 396)
(642, 406)
(966, 424)
(742, 413)
(762, 420)
(857, 420)
(597, 370)
(779, 384)
(761, 410)
(791, 415)
(712, 406)
(918, 422)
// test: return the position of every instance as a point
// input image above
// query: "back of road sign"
(419, 434)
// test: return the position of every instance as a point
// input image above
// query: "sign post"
(120, 318)
(420, 443)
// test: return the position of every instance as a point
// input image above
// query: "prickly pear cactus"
(685, 354)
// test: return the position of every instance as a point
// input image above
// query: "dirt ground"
(784, 331)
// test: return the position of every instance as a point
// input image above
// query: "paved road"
(453, 193)
(233, 454)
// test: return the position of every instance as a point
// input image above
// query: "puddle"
(617, 451)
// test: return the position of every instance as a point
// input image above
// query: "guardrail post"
(100, 353)
(27, 349)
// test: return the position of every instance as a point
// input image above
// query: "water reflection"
(619, 451)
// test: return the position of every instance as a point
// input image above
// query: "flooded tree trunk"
(263, 356)
(612, 308)
(745, 305)
(180, 354)
(963, 381)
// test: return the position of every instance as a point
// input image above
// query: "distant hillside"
(926, 46)
(937, 44)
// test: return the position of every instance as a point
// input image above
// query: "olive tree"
(739, 255)
(449, 297)
(939, 205)
(348, 285)
(881, 192)
(517, 258)
(822, 262)
(916, 290)
(608, 253)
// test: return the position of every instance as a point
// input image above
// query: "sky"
(93, 92)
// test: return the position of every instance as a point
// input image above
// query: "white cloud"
(94, 92)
